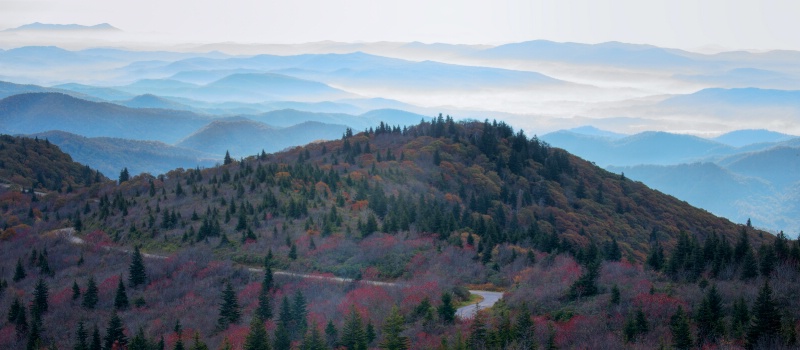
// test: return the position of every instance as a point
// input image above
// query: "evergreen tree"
(586, 285)
(139, 341)
(283, 340)
(96, 343)
(313, 340)
(198, 344)
(229, 308)
(136, 273)
(90, 297)
(740, 318)
(766, 320)
(124, 175)
(681, 334)
(447, 311)
(478, 332)
(709, 316)
(749, 266)
(19, 272)
(370, 332)
(392, 340)
(81, 338)
(76, 290)
(353, 335)
(768, 260)
(228, 159)
(264, 308)
(121, 297)
(40, 294)
(615, 296)
(331, 335)
(115, 333)
(257, 338)
(299, 313)
(525, 329)
(34, 341)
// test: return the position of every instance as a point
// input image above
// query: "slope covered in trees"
(586, 258)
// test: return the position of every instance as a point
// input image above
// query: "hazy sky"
(764, 24)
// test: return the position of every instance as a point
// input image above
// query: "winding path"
(465, 312)
(489, 299)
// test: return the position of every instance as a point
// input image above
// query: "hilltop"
(413, 215)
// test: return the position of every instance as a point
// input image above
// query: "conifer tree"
(115, 334)
(139, 341)
(740, 318)
(19, 272)
(227, 160)
(299, 313)
(749, 266)
(40, 294)
(76, 290)
(257, 338)
(198, 344)
(525, 329)
(229, 308)
(766, 320)
(95, 344)
(313, 340)
(447, 311)
(681, 334)
(121, 297)
(353, 335)
(331, 335)
(81, 338)
(392, 340)
(136, 273)
(709, 316)
(90, 297)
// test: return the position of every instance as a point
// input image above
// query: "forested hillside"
(586, 258)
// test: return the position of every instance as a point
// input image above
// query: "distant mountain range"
(110, 155)
(739, 175)
(155, 134)
(70, 27)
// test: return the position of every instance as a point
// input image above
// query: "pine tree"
(766, 320)
(229, 308)
(81, 338)
(478, 332)
(20, 320)
(681, 334)
(40, 294)
(331, 335)
(124, 175)
(96, 343)
(749, 266)
(257, 338)
(299, 313)
(76, 290)
(19, 272)
(139, 341)
(35, 333)
(115, 333)
(370, 333)
(121, 297)
(709, 316)
(353, 335)
(313, 340)
(525, 329)
(264, 308)
(615, 296)
(586, 285)
(740, 318)
(90, 297)
(197, 344)
(136, 273)
(228, 159)
(447, 311)
(394, 326)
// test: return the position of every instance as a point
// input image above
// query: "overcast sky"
(765, 24)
